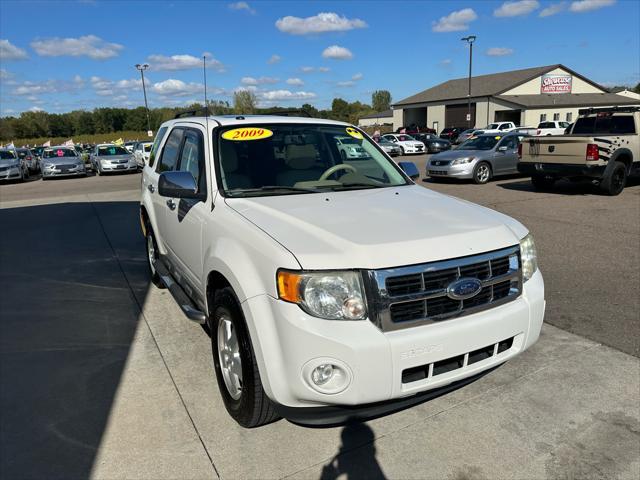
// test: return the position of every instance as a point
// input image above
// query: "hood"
(455, 153)
(114, 157)
(378, 228)
(62, 160)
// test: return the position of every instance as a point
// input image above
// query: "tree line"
(106, 120)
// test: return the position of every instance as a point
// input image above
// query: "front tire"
(402, 151)
(235, 364)
(482, 173)
(152, 257)
(615, 181)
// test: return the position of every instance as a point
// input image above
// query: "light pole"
(470, 39)
(142, 68)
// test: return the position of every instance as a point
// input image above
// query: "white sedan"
(407, 143)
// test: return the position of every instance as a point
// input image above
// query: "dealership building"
(525, 97)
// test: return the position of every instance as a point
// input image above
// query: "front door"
(184, 218)
(506, 160)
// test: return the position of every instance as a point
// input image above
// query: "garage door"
(456, 115)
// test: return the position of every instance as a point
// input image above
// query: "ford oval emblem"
(464, 288)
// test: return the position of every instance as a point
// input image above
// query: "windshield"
(405, 138)
(110, 150)
(7, 155)
(59, 152)
(282, 159)
(479, 143)
(22, 153)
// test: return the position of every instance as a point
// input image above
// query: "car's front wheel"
(235, 363)
(482, 173)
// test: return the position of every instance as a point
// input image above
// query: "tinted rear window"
(546, 125)
(605, 124)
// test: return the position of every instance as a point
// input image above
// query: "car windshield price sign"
(555, 84)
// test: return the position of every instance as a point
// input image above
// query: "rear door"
(184, 218)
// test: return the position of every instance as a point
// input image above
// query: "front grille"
(439, 163)
(416, 295)
(430, 370)
(437, 172)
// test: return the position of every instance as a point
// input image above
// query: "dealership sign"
(555, 84)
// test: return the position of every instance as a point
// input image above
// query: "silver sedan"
(480, 158)
(61, 162)
(109, 157)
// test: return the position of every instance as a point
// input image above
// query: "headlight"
(460, 161)
(529, 257)
(329, 295)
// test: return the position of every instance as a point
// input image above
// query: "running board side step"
(179, 295)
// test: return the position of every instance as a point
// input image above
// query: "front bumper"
(49, 173)
(10, 174)
(286, 341)
(560, 170)
(119, 167)
(464, 170)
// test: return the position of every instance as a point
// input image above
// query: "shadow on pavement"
(356, 457)
(565, 187)
(67, 320)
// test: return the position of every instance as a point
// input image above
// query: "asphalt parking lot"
(102, 376)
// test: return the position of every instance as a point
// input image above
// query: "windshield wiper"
(273, 188)
(354, 185)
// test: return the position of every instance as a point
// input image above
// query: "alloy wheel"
(229, 356)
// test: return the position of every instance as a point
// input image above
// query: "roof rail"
(192, 113)
(587, 111)
(295, 111)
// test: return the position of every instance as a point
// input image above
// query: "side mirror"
(502, 149)
(177, 185)
(410, 169)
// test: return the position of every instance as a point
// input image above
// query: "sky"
(60, 56)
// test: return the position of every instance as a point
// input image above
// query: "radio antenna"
(206, 116)
(204, 74)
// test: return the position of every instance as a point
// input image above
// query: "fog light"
(353, 308)
(322, 374)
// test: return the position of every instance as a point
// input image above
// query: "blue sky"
(81, 54)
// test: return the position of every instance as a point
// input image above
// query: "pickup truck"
(332, 288)
(603, 146)
(499, 127)
(551, 128)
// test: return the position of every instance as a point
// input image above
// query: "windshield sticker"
(498, 138)
(354, 133)
(246, 133)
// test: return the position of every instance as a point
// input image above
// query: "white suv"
(333, 288)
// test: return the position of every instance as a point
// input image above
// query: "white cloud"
(182, 62)
(258, 81)
(499, 51)
(284, 95)
(320, 23)
(274, 59)
(9, 51)
(581, 6)
(5, 75)
(87, 46)
(324, 69)
(36, 109)
(337, 53)
(106, 88)
(357, 76)
(297, 82)
(347, 83)
(176, 88)
(553, 9)
(516, 8)
(446, 61)
(242, 6)
(47, 86)
(455, 21)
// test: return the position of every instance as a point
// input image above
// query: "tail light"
(592, 153)
(520, 151)
(29, 157)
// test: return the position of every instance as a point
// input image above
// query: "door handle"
(151, 188)
(171, 204)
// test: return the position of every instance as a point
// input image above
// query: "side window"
(504, 126)
(192, 158)
(169, 157)
(156, 145)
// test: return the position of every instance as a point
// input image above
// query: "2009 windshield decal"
(246, 133)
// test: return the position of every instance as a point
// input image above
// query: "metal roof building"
(525, 97)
